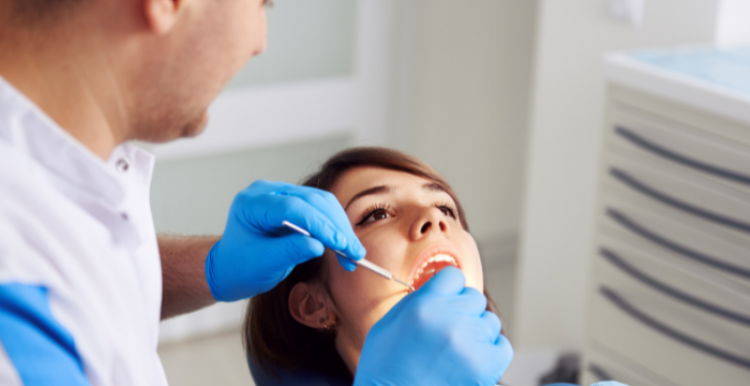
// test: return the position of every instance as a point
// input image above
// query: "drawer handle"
(681, 337)
(639, 275)
(679, 158)
(677, 248)
(599, 373)
(675, 203)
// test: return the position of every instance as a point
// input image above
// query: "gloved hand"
(256, 251)
(439, 335)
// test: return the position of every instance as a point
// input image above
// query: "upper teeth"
(436, 259)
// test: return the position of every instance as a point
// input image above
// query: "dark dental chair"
(304, 378)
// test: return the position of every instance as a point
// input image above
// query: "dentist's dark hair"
(272, 337)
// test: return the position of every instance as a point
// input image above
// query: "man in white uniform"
(84, 280)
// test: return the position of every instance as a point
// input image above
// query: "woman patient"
(411, 223)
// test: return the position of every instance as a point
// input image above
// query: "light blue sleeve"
(40, 349)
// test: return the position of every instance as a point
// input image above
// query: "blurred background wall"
(504, 97)
(565, 135)
(456, 95)
(468, 89)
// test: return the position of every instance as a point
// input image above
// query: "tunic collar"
(28, 129)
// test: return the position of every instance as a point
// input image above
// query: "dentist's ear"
(161, 15)
(309, 305)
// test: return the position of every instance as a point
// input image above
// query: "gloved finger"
(346, 263)
(502, 352)
(473, 301)
(261, 186)
(468, 302)
(298, 249)
(449, 281)
(320, 199)
(267, 186)
(491, 326)
(282, 208)
(320, 228)
(329, 205)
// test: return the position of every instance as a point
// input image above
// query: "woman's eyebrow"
(433, 187)
(382, 189)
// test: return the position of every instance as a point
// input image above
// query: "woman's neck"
(349, 349)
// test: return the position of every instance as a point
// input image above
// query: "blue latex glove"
(439, 335)
(604, 383)
(256, 251)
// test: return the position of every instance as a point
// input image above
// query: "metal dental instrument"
(362, 262)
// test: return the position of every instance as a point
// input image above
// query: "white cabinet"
(669, 294)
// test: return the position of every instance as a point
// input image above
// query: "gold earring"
(328, 325)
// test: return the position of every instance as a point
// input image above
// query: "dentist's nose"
(430, 220)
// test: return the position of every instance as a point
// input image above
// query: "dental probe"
(364, 263)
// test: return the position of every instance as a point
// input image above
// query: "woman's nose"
(431, 220)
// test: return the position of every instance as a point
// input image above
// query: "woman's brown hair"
(276, 339)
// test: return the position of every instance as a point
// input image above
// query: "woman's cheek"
(473, 268)
(382, 251)
(357, 293)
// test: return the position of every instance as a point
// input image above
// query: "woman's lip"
(442, 249)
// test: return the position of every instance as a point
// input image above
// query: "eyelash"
(268, 3)
(380, 207)
(448, 206)
(371, 211)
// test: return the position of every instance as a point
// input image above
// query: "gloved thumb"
(449, 281)
(299, 248)
(346, 263)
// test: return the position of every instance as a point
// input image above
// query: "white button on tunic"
(80, 274)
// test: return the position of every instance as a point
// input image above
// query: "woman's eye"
(448, 211)
(376, 215)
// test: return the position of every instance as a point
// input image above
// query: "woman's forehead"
(369, 180)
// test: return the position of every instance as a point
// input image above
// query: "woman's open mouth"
(431, 266)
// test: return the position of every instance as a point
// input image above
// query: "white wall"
(460, 100)
(192, 196)
(733, 23)
(565, 123)
(471, 65)
(319, 33)
(286, 115)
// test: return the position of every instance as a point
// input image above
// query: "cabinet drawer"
(675, 197)
(655, 138)
(668, 321)
(636, 274)
(719, 260)
(598, 366)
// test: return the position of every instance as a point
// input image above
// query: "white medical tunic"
(80, 274)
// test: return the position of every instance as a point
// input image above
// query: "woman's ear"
(161, 15)
(308, 304)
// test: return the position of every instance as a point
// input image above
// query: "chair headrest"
(285, 377)
(305, 378)
(302, 378)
